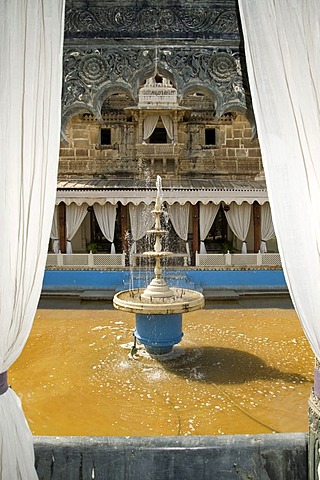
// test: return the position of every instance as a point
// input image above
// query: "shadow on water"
(73, 303)
(225, 366)
(266, 300)
(64, 302)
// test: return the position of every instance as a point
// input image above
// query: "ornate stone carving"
(131, 21)
(216, 68)
(86, 71)
(93, 68)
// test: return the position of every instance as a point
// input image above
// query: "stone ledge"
(229, 457)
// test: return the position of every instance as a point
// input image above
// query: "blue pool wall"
(79, 280)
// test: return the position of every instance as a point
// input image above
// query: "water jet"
(158, 307)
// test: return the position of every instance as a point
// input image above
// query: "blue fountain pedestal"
(158, 332)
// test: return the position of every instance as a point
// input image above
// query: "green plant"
(92, 247)
(227, 246)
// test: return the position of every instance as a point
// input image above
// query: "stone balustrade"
(220, 260)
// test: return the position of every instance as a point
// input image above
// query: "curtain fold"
(54, 235)
(31, 45)
(286, 101)
(168, 125)
(106, 218)
(238, 218)
(207, 216)
(149, 124)
(179, 217)
(141, 220)
(267, 229)
(74, 217)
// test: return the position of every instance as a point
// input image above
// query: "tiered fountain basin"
(182, 301)
(158, 318)
(158, 307)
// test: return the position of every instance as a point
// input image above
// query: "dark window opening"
(98, 243)
(210, 136)
(171, 166)
(158, 166)
(216, 241)
(159, 135)
(105, 136)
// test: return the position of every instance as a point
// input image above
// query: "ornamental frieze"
(131, 21)
(89, 71)
(86, 71)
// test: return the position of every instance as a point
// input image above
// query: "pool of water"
(240, 369)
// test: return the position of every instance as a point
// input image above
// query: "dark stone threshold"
(229, 457)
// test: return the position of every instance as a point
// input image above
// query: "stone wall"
(235, 155)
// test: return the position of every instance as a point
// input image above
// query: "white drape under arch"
(267, 228)
(74, 217)
(179, 217)
(31, 43)
(141, 220)
(54, 235)
(106, 218)
(168, 125)
(207, 215)
(286, 101)
(150, 123)
(238, 218)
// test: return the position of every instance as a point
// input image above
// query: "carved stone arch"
(164, 72)
(139, 79)
(242, 110)
(70, 112)
(147, 72)
(207, 90)
(106, 91)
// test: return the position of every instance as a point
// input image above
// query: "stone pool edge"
(275, 456)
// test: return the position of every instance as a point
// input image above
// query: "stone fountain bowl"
(182, 301)
(157, 254)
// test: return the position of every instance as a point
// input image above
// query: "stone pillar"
(62, 226)
(256, 226)
(314, 426)
(195, 231)
(175, 127)
(124, 220)
(140, 126)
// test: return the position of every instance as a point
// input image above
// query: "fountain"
(158, 307)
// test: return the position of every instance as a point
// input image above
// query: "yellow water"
(237, 370)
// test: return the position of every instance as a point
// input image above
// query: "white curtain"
(207, 216)
(31, 42)
(106, 218)
(267, 229)
(168, 125)
(179, 216)
(74, 217)
(284, 75)
(238, 218)
(149, 124)
(141, 220)
(54, 235)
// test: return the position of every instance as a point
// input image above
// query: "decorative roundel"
(166, 18)
(223, 67)
(92, 68)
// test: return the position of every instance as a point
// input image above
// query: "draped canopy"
(31, 42)
(284, 76)
(238, 217)
(124, 191)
